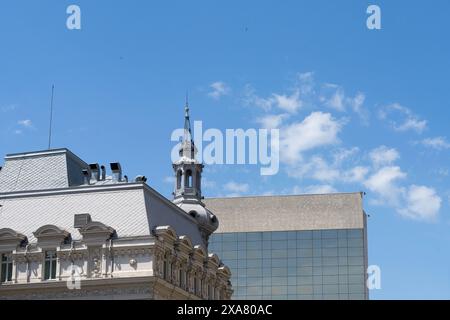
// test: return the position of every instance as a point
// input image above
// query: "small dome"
(206, 219)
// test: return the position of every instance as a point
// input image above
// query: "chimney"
(81, 220)
(86, 176)
(103, 177)
(141, 179)
(116, 171)
(95, 172)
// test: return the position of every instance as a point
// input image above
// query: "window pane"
(3, 278)
(54, 269)
(47, 270)
(355, 233)
(10, 271)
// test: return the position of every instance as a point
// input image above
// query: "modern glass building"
(293, 247)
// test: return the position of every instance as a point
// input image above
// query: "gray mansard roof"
(281, 213)
(40, 170)
(46, 187)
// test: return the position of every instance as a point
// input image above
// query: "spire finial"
(187, 121)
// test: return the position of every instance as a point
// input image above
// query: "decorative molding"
(96, 232)
(10, 239)
(51, 234)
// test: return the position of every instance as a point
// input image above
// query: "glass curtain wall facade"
(318, 264)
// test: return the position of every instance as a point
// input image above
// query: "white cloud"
(18, 131)
(320, 189)
(25, 123)
(383, 156)
(343, 154)
(357, 105)
(251, 99)
(316, 130)
(305, 83)
(334, 97)
(422, 203)
(219, 89)
(236, 188)
(438, 143)
(412, 124)
(384, 183)
(403, 118)
(272, 121)
(356, 174)
(287, 103)
(322, 171)
(337, 100)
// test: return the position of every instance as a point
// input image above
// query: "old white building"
(69, 230)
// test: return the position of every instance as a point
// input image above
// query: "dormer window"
(50, 265)
(6, 268)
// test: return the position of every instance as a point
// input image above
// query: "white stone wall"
(119, 263)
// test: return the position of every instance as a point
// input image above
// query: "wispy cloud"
(383, 156)
(25, 123)
(337, 99)
(218, 90)
(402, 118)
(287, 102)
(438, 143)
(236, 188)
(272, 121)
(290, 101)
(333, 96)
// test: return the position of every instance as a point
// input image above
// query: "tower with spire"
(188, 178)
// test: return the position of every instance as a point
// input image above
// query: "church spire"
(188, 181)
(188, 150)
(187, 122)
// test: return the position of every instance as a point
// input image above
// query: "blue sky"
(358, 110)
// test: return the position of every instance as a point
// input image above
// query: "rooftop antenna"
(51, 120)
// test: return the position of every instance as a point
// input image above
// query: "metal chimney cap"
(115, 167)
(94, 167)
(141, 179)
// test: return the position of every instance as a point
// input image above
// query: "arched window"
(188, 179)
(179, 179)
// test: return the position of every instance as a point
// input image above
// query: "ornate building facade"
(70, 231)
